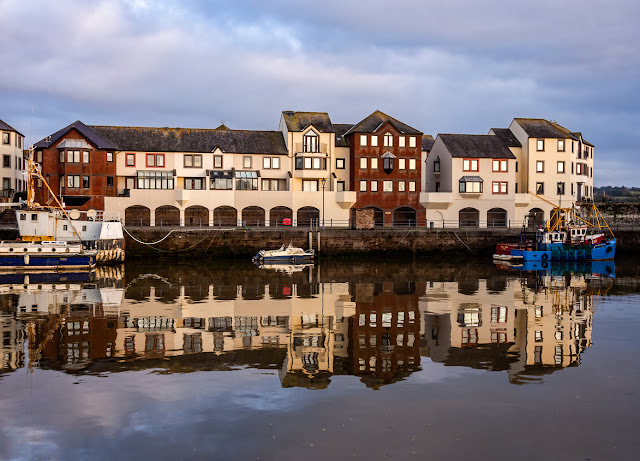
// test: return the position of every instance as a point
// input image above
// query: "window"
(270, 163)
(591, 172)
(155, 179)
(85, 182)
(311, 163)
(270, 184)
(470, 164)
(387, 164)
(499, 187)
(85, 156)
(192, 161)
(540, 166)
(340, 186)
(19, 141)
(412, 186)
(470, 187)
(436, 165)
(311, 142)
(131, 160)
(221, 180)
(39, 156)
(516, 188)
(6, 161)
(401, 141)
(246, 180)
(374, 141)
(412, 141)
(109, 156)
(374, 163)
(6, 138)
(401, 186)
(194, 183)
(539, 188)
(340, 164)
(402, 164)
(130, 183)
(412, 164)
(500, 166)
(363, 163)
(363, 186)
(560, 188)
(73, 181)
(73, 156)
(516, 167)
(388, 140)
(387, 186)
(540, 145)
(363, 140)
(310, 185)
(151, 160)
(266, 163)
(374, 186)
(6, 183)
(560, 145)
(560, 167)
(246, 162)
(109, 181)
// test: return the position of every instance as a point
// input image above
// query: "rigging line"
(146, 243)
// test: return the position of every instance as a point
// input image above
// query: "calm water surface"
(408, 359)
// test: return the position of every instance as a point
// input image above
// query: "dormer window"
(311, 142)
(388, 140)
(387, 159)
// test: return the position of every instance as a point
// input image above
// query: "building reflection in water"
(306, 327)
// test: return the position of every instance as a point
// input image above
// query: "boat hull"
(47, 262)
(599, 252)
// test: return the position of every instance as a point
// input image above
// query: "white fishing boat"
(94, 230)
(287, 254)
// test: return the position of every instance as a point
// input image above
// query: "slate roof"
(148, 139)
(373, 122)
(476, 146)
(541, 128)
(6, 127)
(427, 142)
(90, 135)
(578, 136)
(507, 137)
(300, 121)
(341, 129)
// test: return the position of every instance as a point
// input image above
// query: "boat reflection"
(306, 325)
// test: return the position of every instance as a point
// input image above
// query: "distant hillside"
(617, 193)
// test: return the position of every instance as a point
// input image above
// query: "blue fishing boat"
(566, 237)
(32, 256)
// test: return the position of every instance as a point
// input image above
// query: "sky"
(442, 66)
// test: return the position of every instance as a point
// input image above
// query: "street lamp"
(324, 181)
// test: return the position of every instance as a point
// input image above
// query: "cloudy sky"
(442, 66)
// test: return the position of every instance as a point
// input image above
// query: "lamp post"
(324, 181)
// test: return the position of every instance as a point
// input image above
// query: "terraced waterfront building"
(312, 170)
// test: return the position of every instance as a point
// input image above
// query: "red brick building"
(386, 158)
(79, 165)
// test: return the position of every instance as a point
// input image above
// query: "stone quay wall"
(329, 242)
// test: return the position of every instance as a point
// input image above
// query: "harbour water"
(403, 359)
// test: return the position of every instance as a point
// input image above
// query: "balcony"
(432, 200)
(323, 149)
(310, 174)
(346, 199)
(522, 199)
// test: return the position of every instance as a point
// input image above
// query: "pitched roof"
(341, 129)
(507, 137)
(476, 146)
(541, 128)
(578, 136)
(427, 142)
(6, 127)
(373, 122)
(300, 121)
(148, 139)
(89, 134)
(222, 127)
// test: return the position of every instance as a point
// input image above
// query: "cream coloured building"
(11, 154)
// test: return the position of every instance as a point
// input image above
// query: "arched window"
(311, 142)
(388, 140)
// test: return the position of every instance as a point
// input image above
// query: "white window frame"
(413, 165)
(363, 186)
(363, 163)
(363, 140)
(539, 166)
(402, 163)
(402, 142)
(412, 141)
(374, 163)
(387, 186)
(374, 141)
(374, 186)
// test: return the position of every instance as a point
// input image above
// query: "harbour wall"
(216, 242)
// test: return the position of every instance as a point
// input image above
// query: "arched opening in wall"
(535, 218)
(167, 215)
(225, 216)
(307, 215)
(378, 215)
(278, 214)
(438, 219)
(404, 217)
(253, 216)
(197, 216)
(137, 215)
(469, 217)
(497, 217)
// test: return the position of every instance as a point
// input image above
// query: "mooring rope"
(146, 243)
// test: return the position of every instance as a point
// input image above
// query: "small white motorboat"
(286, 254)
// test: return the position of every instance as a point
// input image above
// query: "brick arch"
(307, 214)
(137, 215)
(196, 215)
(253, 216)
(277, 214)
(225, 216)
(167, 215)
